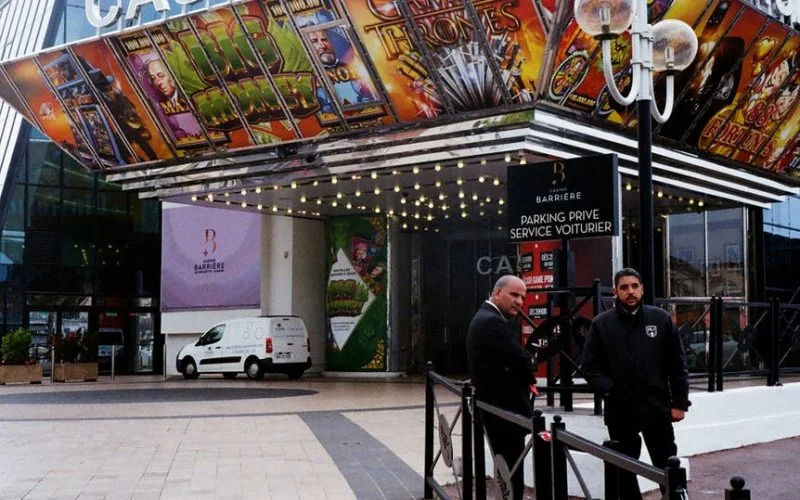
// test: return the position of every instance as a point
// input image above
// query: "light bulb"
(604, 18)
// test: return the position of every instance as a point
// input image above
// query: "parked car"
(697, 352)
(252, 346)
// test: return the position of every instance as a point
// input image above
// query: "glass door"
(43, 325)
(143, 328)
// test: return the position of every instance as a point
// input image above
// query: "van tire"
(253, 369)
(295, 373)
(230, 375)
(190, 369)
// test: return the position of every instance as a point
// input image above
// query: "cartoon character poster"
(162, 92)
(356, 297)
(220, 43)
(51, 117)
(515, 33)
(122, 101)
(77, 94)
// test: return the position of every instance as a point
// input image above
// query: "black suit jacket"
(501, 370)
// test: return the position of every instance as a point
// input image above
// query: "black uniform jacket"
(638, 363)
(501, 370)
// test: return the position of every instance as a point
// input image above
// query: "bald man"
(502, 371)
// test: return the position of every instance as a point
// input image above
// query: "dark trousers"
(508, 441)
(659, 437)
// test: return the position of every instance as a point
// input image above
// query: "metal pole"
(646, 244)
(427, 488)
(466, 440)
(113, 359)
(542, 468)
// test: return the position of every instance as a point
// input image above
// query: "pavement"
(315, 438)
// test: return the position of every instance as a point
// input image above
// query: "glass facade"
(77, 253)
(782, 249)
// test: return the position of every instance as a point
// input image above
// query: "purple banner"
(210, 257)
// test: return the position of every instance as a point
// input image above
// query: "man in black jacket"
(634, 357)
(502, 371)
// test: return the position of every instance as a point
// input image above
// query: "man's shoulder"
(607, 315)
(655, 312)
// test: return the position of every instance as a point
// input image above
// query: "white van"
(257, 345)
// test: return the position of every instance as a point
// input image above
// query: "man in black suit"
(502, 371)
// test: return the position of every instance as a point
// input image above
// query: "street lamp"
(669, 46)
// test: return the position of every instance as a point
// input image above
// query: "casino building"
(167, 165)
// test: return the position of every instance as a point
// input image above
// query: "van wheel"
(190, 369)
(230, 375)
(252, 369)
(295, 373)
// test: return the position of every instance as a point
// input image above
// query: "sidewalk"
(145, 438)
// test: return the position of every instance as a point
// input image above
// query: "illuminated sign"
(784, 10)
(99, 20)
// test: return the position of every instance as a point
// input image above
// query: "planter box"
(64, 372)
(26, 374)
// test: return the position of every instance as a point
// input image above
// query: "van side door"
(209, 349)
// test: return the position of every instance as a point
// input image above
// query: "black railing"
(551, 453)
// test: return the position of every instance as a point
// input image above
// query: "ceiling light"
(481, 179)
(460, 164)
(395, 172)
(496, 181)
(483, 162)
(463, 215)
(334, 203)
(459, 181)
(260, 206)
(438, 184)
(194, 197)
(334, 180)
(289, 210)
(431, 205)
(339, 196)
(437, 167)
(294, 185)
(405, 226)
(377, 190)
(508, 158)
(416, 215)
(349, 205)
(276, 187)
(316, 183)
(442, 196)
(522, 161)
(303, 199)
(461, 194)
(227, 202)
(258, 190)
(500, 212)
(429, 218)
(274, 208)
(377, 210)
(501, 201)
(374, 175)
(403, 200)
(660, 194)
(628, 186)
(404, 213)
(319, 201)
(416, 203)
(227, 194)
(474, 197)
(415, 170)
(358, 193)
(244, 204)
(416, 185)
(488, 199)
(462, 206)
(700, 203)
(391, 212)
(397, 189)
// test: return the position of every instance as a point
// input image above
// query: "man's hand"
(677, 414)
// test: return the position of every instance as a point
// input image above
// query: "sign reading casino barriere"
(98, 20)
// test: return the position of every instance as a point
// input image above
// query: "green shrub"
(16, 347)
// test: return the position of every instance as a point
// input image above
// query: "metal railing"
(551, 453)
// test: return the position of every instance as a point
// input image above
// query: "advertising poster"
(87, 113)
(221, 44)
(356, 297)
(7, 94)
(50, 115)
(122, 101)
(163, 91)
(762, 63)
(282, 51)
(328, 40)
(210, 257)
(515, 33)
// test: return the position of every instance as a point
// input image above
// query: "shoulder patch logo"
(651, 330)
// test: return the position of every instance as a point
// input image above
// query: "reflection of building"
(86, 251)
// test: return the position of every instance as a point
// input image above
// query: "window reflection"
(687, 255)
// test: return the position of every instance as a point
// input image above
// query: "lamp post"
(668, 46)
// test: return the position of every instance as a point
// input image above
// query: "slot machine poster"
(50, 115)
(77, 95)
(222, 44)
(121, 100)
(163, 92)
(760, 74)
(514, 31)
(328, 37)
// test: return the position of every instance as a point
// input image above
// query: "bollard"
(676, 479)
(738, 491)
(558, 459)
(611, 473)
(542, 463)
(428, 489)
